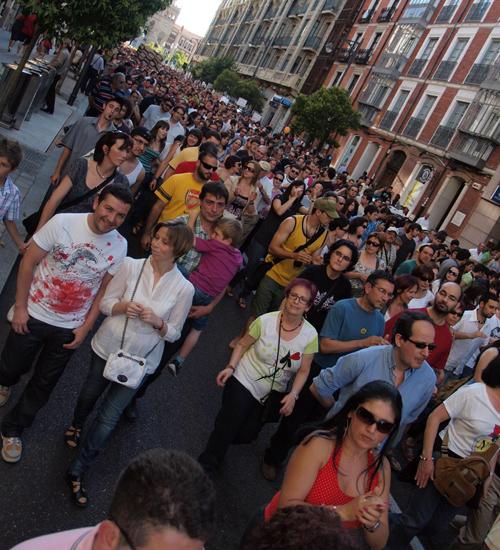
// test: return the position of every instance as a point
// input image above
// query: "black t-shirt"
(405, 251)
(269, 226)
(329, 292)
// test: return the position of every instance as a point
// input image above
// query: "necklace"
(291, 329)
(99, 173)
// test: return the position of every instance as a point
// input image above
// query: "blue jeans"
(116, 400)
(200, 298)
(427, 512)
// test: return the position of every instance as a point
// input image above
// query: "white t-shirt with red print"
(67, 280)
(258, 365)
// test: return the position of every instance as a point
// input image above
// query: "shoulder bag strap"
(86, 195)
(132, 299)
(263, 400)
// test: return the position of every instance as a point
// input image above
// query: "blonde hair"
(230, 229)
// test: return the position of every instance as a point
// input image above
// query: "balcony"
(418, 14)
(282, 41)
(443, 136)
(249, 16)
(445, 70)
(282, 78)
(362, 56)
(472, 150)
(271, 12)
(312, 42)
(413, 127)
(368, 114)
(343, 54)
(391, 64)
(367, 15)
(478, 10)
(479, 73)
(330, 5)
(417, 67)
(446, 13)
(386, 14)
(389, 119)
(299, 8)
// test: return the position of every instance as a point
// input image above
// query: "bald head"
(447, 298)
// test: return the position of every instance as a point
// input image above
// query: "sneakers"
(4, 395)
(268, 471)
(174, 367)
(12, 449)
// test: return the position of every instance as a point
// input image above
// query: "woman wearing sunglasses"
(424, 295)
(337, 464)
(452, 275)
(368, 262)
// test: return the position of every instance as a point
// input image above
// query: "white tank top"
(132, 177)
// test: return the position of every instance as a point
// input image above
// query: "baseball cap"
(393, 229)
(265, 165)
(328, 206)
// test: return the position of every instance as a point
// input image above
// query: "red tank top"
(325, 490)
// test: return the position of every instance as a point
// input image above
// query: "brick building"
(425, 77)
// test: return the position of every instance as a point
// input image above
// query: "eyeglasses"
(279, 179)
(209, 166)
(383, 291)
(367, 418)
(126, 536)
(297, 298)
(422, 345)
(373, 243)
(341, 256)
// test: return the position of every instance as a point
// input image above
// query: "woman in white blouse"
(157, 313)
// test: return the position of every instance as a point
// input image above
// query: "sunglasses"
(364, 226)
(427, 279)
(454, 273)
(209, 166)
(422, 345)
(249, 168)
(373, 243)
(367, 418)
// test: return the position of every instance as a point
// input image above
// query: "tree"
(210, 69)
(326, 111)
(229, 81)
(179, 59)
(103, 23)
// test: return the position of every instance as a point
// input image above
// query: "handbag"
(462, 481)
(122, 367)
(31, 222)
(272, 401)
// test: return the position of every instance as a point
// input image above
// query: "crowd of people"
(367, 331)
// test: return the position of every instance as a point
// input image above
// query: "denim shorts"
(201, 298)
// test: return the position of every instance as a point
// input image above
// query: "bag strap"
(319, 232)
(263, 400)
(86, 195)
(132, 299)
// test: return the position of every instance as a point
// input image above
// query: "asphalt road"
(176, 413)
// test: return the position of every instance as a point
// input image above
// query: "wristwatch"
(373, 528)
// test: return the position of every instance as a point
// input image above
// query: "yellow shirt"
(286, 270)
(180, 193)
(189, 154)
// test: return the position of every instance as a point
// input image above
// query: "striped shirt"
(9, 200)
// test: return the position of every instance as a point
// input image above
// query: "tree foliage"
(103, 23)
(326, 111)
(230, 82)
(178, 58)
(210, 69)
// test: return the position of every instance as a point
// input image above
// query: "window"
(337, 78)
(447, 11)
(456, 115)
(352, 84)
(431, 43)
(478, 10)
(417, 9)
(491, 53)
(375, 41)
(400, 101)
(457, 49)
(426, 107)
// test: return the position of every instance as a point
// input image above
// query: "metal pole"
(74, 93)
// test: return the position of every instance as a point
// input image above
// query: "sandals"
(72, 436)
(78, 493)
(242, 303)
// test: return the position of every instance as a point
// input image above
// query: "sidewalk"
(37, 137)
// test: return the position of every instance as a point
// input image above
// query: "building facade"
(425, 77)
(161, 24)
(180, 39)
(274, 41)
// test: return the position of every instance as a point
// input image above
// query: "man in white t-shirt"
(61, 279)
(163, 499)
(176, 127)
(154, 113)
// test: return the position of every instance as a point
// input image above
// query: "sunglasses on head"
(367, 418)
(208, 166)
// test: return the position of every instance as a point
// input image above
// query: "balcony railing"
(362, 56)
(367, 15)
(413, 127)
(445, 69)
(298, 9)
(419, 13)
(249, 16)
(343, 54)
(386, 14)
(312, 42)
(330, 5)
(478, 10)
(282, 40)
(389, 119)
(271, 12)
(368, 114)
(446, 12)
(443, 136)
(391, 63)
(471, 150)
(478, 73)
(417, 67)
